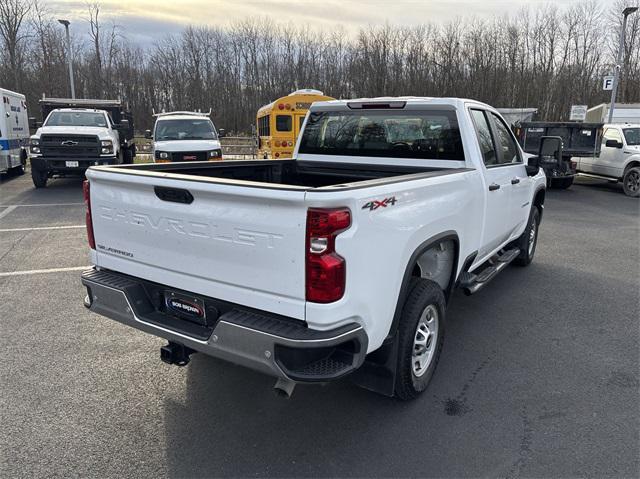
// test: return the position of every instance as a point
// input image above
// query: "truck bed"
(287, 173)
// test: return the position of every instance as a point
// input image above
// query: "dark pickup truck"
(579, 140)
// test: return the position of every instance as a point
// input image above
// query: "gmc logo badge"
(189, 157)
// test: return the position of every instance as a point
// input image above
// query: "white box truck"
(14, 131)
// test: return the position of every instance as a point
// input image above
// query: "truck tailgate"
(235, 243)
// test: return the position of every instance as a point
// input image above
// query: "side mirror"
(549, 155)
(33, 123)
(148, 135)
(124, 125)
(532, 166)
(221, 133)
(613, 144)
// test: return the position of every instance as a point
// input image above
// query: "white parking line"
(44, 204)
(42, 271)
(7, 211)
(40, 228)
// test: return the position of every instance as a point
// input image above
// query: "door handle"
(515, 181)
(494, 186)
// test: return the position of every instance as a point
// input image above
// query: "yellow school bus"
(278, 123)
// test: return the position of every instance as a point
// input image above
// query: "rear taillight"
(325, 269)
(87, 200)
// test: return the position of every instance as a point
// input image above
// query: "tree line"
(546, 57)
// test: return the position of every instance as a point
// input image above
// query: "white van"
(185, 136)
(14, 131)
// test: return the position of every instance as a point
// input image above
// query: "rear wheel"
(39, 177)
(631, 182)
(420, 337)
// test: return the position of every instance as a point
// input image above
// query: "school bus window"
(283, 122)
(301, 122)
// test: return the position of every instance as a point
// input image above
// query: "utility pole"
(616, 74)
(70, 57)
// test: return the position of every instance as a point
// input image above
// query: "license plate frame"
(185, 306)
(71, 164)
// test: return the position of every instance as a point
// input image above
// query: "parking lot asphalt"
(539, 375)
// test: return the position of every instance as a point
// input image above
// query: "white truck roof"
(409, 100)
(92, 110)
(4, 91)
(182, 116)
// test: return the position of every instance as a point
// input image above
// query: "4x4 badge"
(375, 204)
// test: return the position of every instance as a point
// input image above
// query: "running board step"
(473, 282)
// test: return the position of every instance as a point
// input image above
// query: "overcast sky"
(148, 20)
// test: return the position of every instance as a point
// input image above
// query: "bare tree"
(13, 14)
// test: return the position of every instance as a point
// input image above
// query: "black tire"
(561, 183)
(424, 296)
(39, 177)
(524, 242)
(631, 182)
(127, 156)
(23, 165)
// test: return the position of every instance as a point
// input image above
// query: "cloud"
(149, 20)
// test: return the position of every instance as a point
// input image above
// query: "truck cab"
(77, 134)
(14, 132)
(619, 158)
(185, 136)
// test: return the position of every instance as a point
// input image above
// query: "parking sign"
(578, 113)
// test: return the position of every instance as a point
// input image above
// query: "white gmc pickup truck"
(338, 261)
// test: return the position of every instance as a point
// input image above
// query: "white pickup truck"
(619, 158)
(340, 260)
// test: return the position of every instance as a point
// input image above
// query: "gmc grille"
(189, 156)
(69, 146)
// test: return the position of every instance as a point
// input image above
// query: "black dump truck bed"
(579, 139)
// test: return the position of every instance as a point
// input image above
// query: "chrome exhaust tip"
(284, 387)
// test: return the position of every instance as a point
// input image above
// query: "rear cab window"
(283, 122)
(419, 134)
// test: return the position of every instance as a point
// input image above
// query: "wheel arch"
(632, 162)
(538, 200)
(412, 266)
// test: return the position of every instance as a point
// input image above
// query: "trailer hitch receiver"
(176, 353)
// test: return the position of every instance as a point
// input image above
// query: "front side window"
(485, 140)
(507, 147)
(418, 134)
(76, 118)
(283, 122)
(196, 129)
(632, 135)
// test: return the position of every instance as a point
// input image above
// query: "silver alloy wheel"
(532, 237)
(425, 340)
(633, 181)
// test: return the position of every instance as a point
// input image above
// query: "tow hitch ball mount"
(175, 353)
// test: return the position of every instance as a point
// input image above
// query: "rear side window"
(485, 140)
(283, 122)
(263, 126)
(612, 134)
(507, 146)
(418, 134)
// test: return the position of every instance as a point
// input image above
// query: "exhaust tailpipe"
(284, 387)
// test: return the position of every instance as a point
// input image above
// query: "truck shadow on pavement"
(500, 345)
